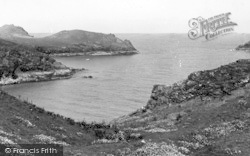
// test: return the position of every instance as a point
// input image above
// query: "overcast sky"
(119, 16)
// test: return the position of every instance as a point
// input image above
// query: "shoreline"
(97, 53)
(39, 76)
(242, 49)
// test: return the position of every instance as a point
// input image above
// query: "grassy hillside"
(205, 115)
(21, 122)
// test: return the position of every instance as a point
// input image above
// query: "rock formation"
(23, 64)
(210, 83)
(245, 47)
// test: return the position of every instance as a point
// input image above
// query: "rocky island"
(244, 47)
(70, 42)
(206, 114)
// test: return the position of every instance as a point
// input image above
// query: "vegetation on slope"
(205, 115)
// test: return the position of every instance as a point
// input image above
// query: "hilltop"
(70, 42)
(11, 31)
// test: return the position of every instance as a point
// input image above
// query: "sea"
(122, 84)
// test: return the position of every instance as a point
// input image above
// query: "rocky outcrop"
(204, 84)
(70, 42)
(20, 64)
(206, 114)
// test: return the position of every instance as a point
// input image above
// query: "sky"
(119, 16)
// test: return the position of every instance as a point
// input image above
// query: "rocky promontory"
(23, 64)
(70, 42)
(206, 114)
(204, 84)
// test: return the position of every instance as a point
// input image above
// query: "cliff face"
(72, 42)
(206, 114)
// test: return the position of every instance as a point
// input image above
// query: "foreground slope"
(70, 42)
(23, 123)
(208, 114)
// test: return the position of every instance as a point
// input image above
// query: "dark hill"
(11, 31)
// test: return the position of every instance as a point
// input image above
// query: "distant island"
(69, 42)
(244, 47)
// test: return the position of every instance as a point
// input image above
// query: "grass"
(16, 115)
(215, 128)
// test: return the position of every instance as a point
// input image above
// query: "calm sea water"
(122, 84)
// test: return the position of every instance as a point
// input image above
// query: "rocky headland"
(70, 42)
(206, 114)
(24, 64)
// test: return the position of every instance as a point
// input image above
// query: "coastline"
(243, 49)
(38, 76)
(97, 53)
